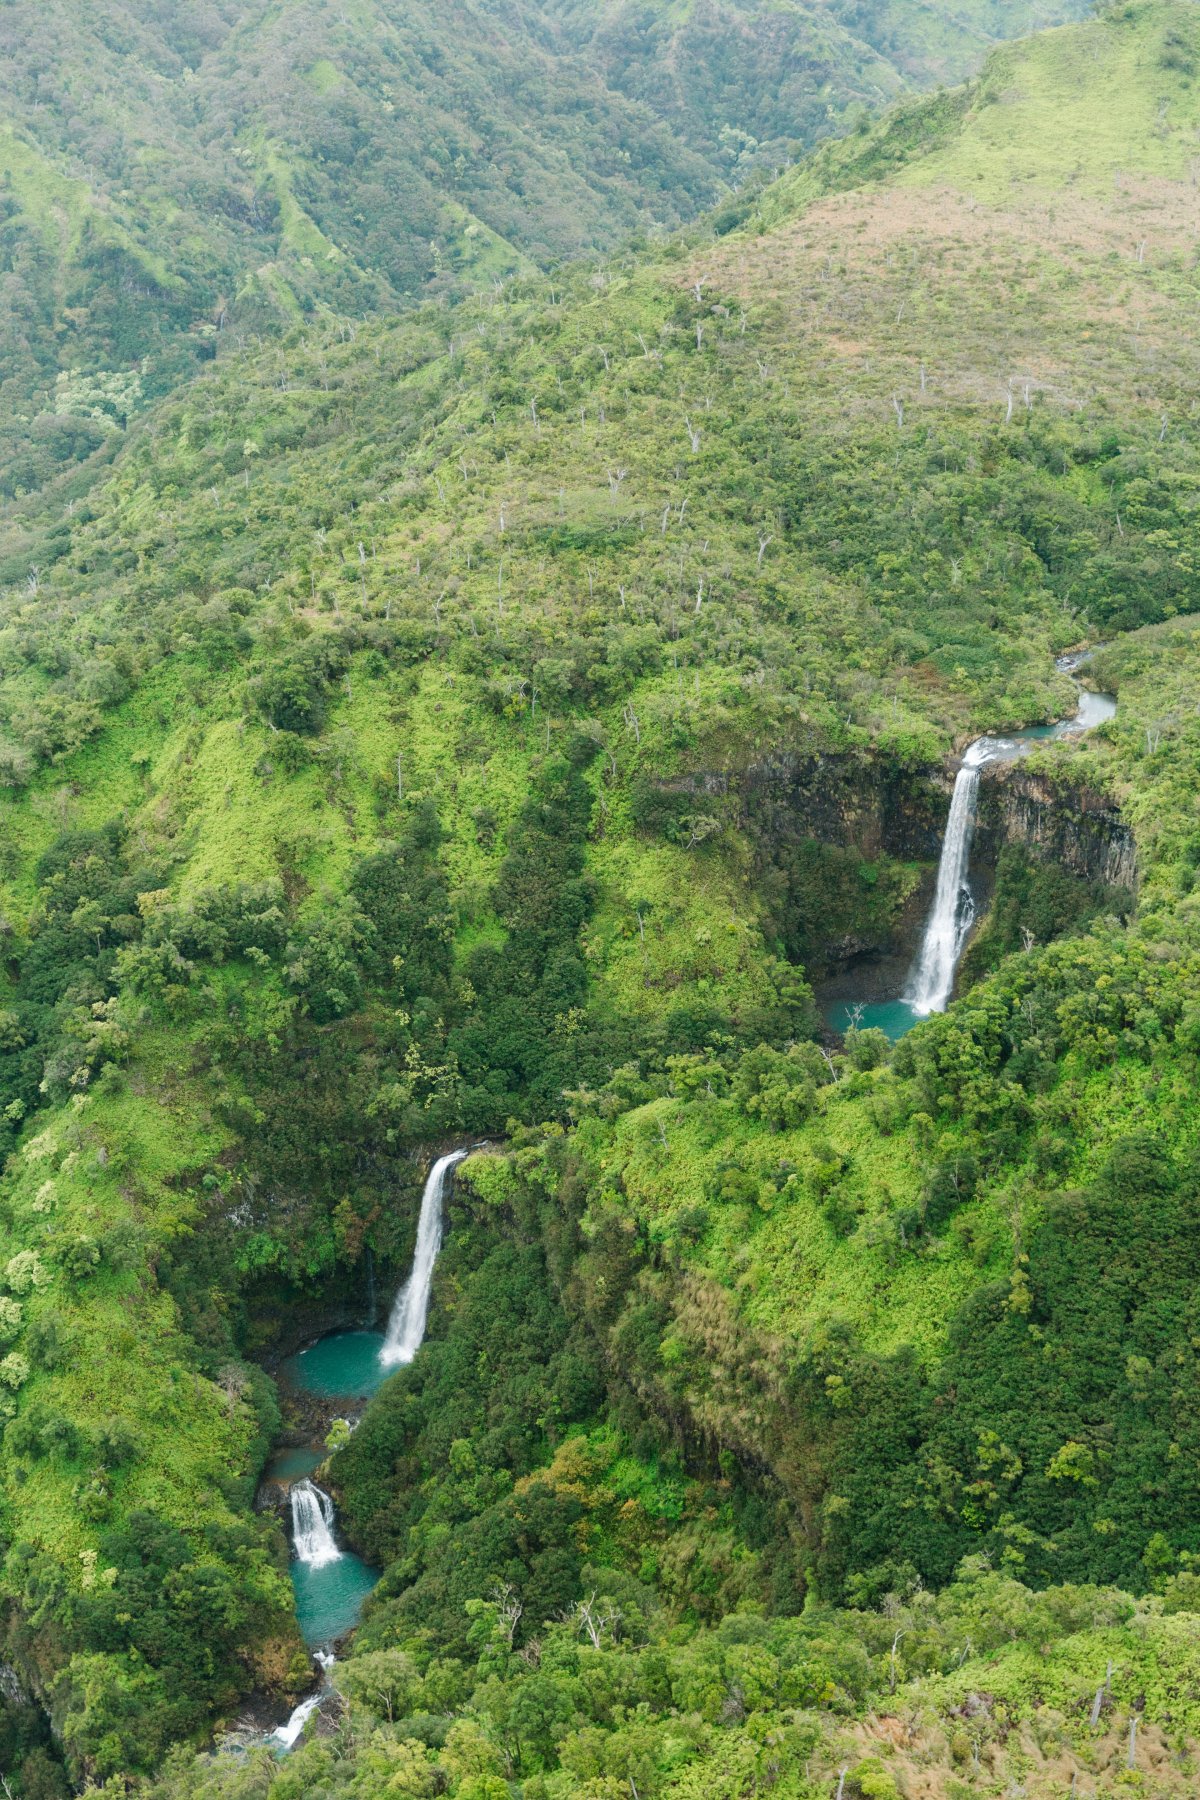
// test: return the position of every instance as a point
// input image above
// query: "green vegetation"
(490, 722)
(174, 179)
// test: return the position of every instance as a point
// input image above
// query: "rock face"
(856, 802)
(846, 849)
(1075, 827)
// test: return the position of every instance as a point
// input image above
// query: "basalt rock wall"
(1076, 827)
(845, 849)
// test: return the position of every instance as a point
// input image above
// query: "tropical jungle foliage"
(176, 177)
(496, 722)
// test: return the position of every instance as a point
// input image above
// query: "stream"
(951, 917)
(329, 1581)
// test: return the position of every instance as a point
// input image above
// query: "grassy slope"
(252, 169)
(409, 441)
(441, 498)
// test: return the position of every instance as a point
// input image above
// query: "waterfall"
(312, 1525)
(406, 1327)
(286, 1735)
(953, 911)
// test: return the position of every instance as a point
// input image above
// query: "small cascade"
(406, 1327)
(953, 911)
(312, 1526)
(285, 1736)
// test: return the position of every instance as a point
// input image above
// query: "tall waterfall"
(406, 1327)
(953, 911)
(312, 1525)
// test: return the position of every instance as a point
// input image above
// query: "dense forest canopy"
(176, 177)
(473, 672)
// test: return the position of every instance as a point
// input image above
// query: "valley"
(487, 739)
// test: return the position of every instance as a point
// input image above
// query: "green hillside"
(472, 724)
(174, 178)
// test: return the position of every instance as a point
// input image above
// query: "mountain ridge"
(378, 735)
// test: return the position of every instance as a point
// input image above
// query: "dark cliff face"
(859, 803)
(845, 848)
(1075, 827)
(845, 851)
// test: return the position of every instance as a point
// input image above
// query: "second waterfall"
(406, 1327)
(342, 1371)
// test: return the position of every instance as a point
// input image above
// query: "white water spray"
(953, 911)
(312, 1526)
(286, 1735)
(406, 1327)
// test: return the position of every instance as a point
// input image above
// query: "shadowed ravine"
(952, 915)
(330, 1582)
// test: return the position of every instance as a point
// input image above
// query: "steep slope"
(171, 173)
(378, 738)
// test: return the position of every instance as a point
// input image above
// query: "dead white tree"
(693, 435)
(901, 1632)
(508, 1609)
(593, 1618)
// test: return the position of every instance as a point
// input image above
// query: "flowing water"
(331, 1583)
(406, 1327)
(312, 1525)
(953, 911)
(285, 1736)
(930, 983)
